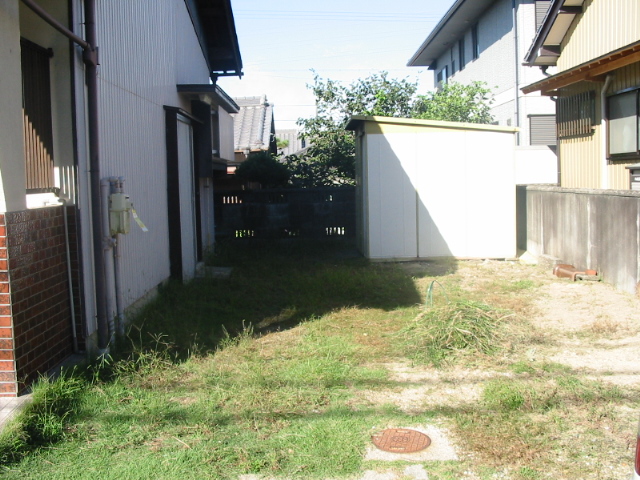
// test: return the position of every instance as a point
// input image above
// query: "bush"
(263, 168)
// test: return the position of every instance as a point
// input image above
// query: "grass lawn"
(285, 369)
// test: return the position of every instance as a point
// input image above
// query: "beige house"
(595, 45)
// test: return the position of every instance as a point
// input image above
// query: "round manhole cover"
(401, 440)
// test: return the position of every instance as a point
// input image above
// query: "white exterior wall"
(433, 192)
(146, 49)
(500, 66)
(225, 124)
(12, 166)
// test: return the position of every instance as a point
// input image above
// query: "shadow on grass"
(275, 286)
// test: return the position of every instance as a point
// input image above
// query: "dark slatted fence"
(285, 213)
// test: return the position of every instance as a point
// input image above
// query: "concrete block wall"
(590, 229)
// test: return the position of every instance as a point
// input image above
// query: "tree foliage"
(456, 102)
(329, 160)
(263, 168)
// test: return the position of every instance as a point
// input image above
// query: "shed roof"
(357, 121)
(253, 124)
(457, 20)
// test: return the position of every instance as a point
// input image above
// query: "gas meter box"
(119, 213)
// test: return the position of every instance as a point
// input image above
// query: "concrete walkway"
(10, 407)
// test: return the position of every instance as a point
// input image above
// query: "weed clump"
(460, 326)
(44, 420)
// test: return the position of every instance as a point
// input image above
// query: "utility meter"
(119, 213)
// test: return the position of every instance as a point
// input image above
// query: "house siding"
(11, 154)
(225, 123)
(615, 23)
(146, 50)
(581, 158)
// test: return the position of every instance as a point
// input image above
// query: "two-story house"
(486, 40)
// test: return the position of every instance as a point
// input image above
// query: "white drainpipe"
(107, 246)
(118, 187)
(604, 172)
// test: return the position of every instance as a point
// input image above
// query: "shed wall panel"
(391, 196)
(431, 192)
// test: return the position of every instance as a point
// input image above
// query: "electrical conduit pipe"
(118, 187)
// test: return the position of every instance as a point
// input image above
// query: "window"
(453, 62)
(441, 78)
(461, 53)
(542, 130)
(623, 125)
(475, 46)
(576, 114)
(38, 127)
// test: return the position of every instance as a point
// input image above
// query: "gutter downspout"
(517, 64)
(90, 59)
(604, 172)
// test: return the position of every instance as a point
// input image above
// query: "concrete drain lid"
(401, 440)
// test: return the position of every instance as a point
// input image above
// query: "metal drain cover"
(401, 440)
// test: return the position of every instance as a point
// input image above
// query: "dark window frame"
(442, 77)
(576, 114)
(475, 44)
(632, 154)
(37, 107)
(461, 56)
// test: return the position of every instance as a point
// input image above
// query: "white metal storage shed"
(433, 189)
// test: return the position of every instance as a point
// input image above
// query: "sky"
(281, 41)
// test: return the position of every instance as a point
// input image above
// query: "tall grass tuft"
(44, 420)
(461, 325)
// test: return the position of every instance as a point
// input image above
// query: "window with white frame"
(624, 125)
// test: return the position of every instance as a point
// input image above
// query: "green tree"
(263, 168)
(329, 160)
(456, 102)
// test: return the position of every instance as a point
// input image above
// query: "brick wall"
(35, 311)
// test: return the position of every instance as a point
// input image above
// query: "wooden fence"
(284, 213)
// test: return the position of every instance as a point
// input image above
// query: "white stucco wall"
(225, 123)
(12, 170)
(36, 30)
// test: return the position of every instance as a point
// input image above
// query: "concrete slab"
(10, 407)
(440, 448)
